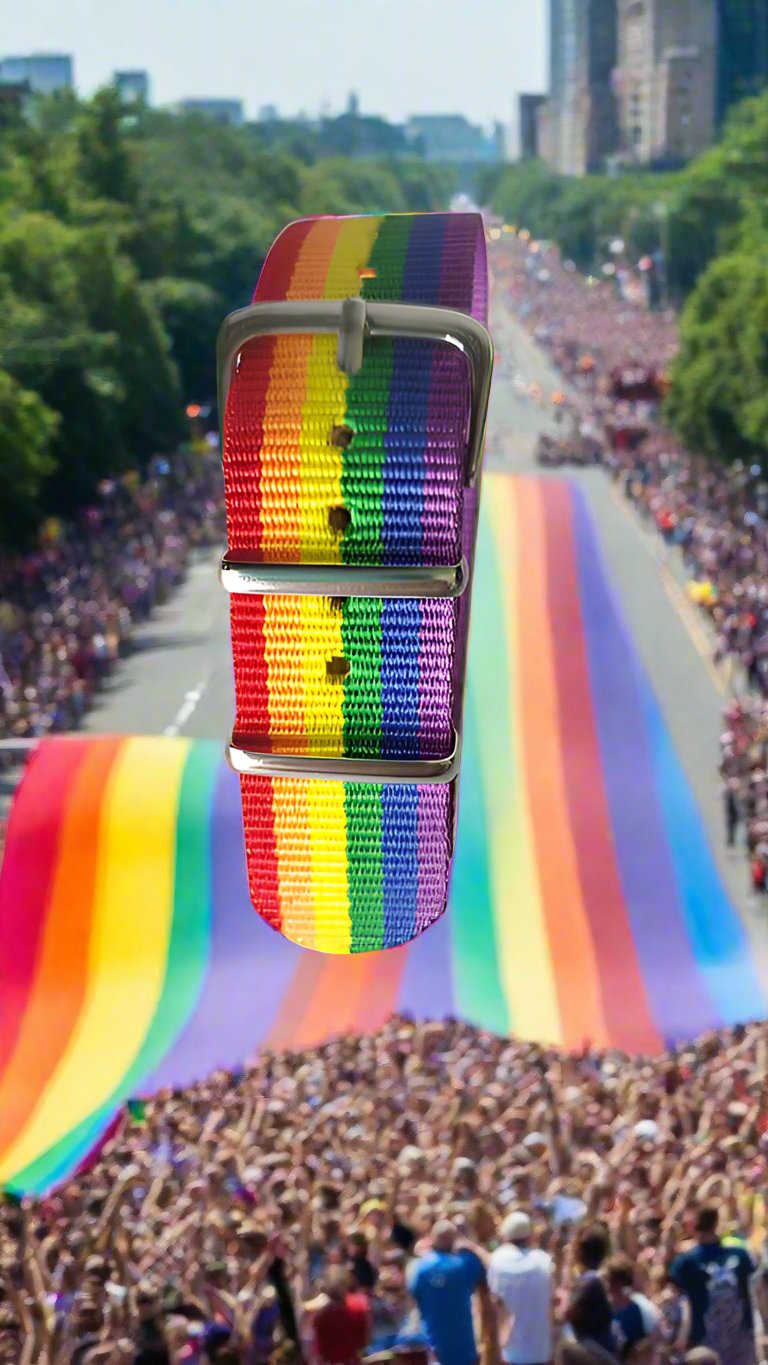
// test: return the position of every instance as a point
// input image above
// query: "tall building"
(665, 80)
(528, 125)
(742, 51)
(43, 72)
(132, 86)
(220, 111)
(581, 117)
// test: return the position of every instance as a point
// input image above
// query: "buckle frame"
(353, 320)
(258, 762)
(382, 318)
(344, 580)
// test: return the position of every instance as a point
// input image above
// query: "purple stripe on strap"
(250, 966)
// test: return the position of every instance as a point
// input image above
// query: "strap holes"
(338, 519)
(341, 436)
(337, 667)
(366, 272)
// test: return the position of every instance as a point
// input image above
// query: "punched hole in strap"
(338, 519)
(340, 436)
(337, 667)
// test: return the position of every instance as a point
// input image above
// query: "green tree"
(718, 403)
(27, 429)
(106, 162)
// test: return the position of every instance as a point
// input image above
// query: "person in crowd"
(521, 1280)
(443, 1282)
(150, 1337)
(715, 1276)
(593, 1245)
(342, 1322)
(635, 1318)
(590, 1319)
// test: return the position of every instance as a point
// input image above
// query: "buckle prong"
(353, 327)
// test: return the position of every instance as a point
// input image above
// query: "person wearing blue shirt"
(716, 1279)
(443, 1282)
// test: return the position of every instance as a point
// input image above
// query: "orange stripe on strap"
(577, 981)
(281, 520)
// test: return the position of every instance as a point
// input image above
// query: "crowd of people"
(69, 607)
(429, 1188)
(615, 354)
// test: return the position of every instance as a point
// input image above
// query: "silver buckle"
(354, 320)
(344, 580)
(246, 758)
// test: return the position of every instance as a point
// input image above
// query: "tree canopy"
(126, 235)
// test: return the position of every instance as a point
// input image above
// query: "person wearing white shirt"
(521, 1279)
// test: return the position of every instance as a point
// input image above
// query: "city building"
(42, 72)
(269, 113)
(13, 98)
(665, 79)
(580, 126)
(132, 86)
(742, 51)
(451, 137)
(528, 110)
(220, 111)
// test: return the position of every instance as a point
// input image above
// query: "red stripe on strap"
(279, 266)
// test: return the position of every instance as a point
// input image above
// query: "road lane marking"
(191, 700)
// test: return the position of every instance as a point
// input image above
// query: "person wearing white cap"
(521, 1277)
(521, 1282)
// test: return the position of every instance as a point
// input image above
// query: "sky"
(400, 56)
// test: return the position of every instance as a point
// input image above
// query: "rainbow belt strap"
(352, 431)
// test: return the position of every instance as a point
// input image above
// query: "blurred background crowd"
(430, 1184)
(70, 607)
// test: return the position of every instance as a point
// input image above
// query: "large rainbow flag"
(586, 903)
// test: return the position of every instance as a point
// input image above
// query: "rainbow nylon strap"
(326, 468)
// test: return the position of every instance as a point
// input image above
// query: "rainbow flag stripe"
(585, 904)
(326, 468)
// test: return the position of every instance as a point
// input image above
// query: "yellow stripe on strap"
(326, 817)
(132, 918)
(328, 842)
(324, 400)
(352, 253)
